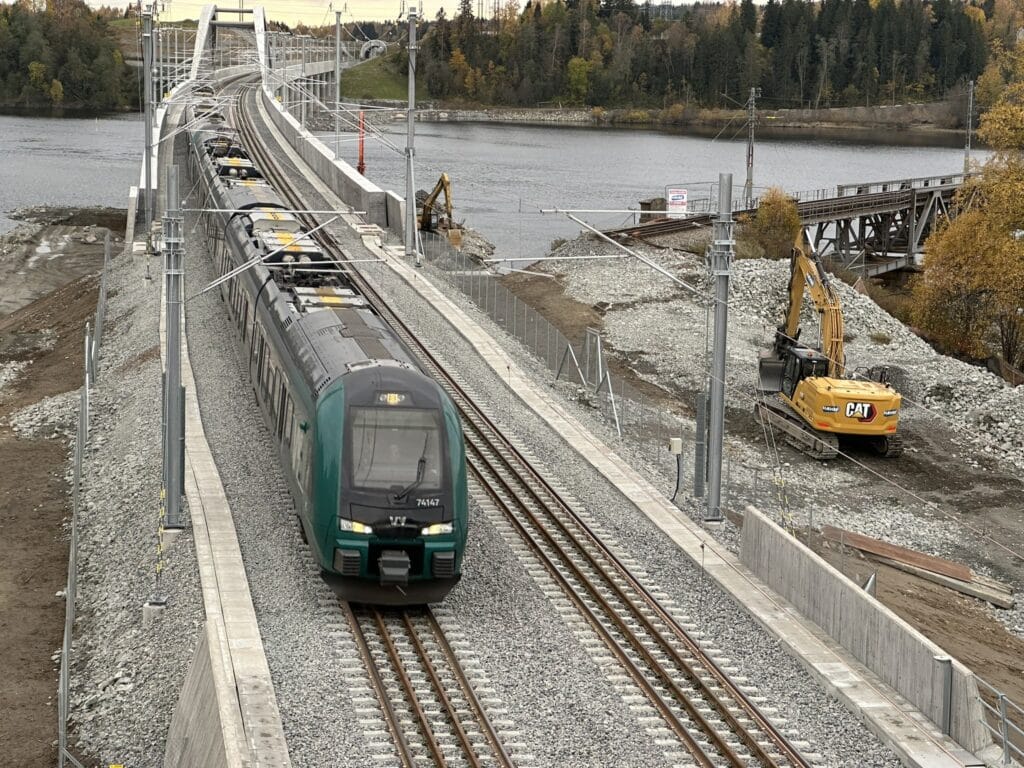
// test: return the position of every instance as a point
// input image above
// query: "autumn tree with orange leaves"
(971, 295)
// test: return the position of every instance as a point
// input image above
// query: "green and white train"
(372, 447)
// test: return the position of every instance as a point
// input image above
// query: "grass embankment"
(379, 78)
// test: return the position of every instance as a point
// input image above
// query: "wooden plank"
(901, 554)
(989, 583)
(997, 598)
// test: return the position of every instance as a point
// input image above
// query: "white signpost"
(676, 201)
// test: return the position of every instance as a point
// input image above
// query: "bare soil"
(989, 501)
(35, 498)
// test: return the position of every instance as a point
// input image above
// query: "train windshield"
(395, 448)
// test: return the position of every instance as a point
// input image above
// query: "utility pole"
(411, 251)
(147, 76)
(721, 259)
(748, 188)
(337, 85)
(970, 123)
(174, 397)
(302, 83)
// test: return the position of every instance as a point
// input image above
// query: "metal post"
(147, 76)
(337, 84)
(173, 466)
(700, 464)
(721, 257)
(302, 83)
(1004, 730)
(748, 188)
(970, 122)
(410, 189)
(945, 665)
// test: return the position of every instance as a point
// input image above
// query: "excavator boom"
(806, 271)
(444, 184)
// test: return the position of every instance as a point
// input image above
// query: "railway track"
(438, 716)
(426, 697)
(707, 713)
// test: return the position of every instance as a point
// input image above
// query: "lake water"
(502, 176)
(67, 161)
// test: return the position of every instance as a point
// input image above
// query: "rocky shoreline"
(934, 123)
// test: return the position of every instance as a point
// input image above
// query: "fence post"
(1004, 729)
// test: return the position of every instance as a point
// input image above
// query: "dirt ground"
(990, 501)
(34, 496)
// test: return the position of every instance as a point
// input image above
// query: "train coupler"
(393, 565)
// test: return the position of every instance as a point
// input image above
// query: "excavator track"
(889, 446)
(822, 446)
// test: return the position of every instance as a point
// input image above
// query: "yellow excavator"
(432, 222)
(805, 391)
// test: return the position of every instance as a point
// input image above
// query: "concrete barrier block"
(900, 655)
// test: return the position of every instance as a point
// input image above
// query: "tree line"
(614, 53)
(62, 53)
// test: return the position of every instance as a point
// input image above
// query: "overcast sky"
(311, 12)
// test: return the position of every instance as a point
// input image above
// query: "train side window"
(274, 391)
(244, 319)
(282, 399)
(289, 420)
(265, 372)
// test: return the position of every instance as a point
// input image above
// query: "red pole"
(361, 167)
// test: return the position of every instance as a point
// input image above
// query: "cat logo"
(860, 411)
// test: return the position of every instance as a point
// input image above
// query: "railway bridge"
(869, 227)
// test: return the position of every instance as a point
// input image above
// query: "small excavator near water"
(805, 391)
(432, 221)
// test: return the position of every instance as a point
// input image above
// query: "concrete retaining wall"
(350, 185)
(206, 728)
(899, 654)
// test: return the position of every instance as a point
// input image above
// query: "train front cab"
(396, 498)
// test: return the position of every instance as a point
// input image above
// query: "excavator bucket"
(769, 371)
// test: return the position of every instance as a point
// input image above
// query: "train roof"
(248, 193)
(333, 330)
(226, 164)
(289, 244)
(265, 219)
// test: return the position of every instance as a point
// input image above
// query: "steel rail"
(633, 669)
(467, 407)
(467, 746)
(409, 689)
(405, 753)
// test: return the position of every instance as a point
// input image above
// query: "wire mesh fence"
(635, 416)
(71, 588)
(93, 339)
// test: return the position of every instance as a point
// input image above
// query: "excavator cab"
(802, 363)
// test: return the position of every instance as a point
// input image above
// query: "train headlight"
(437, 529)
(354, 526)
